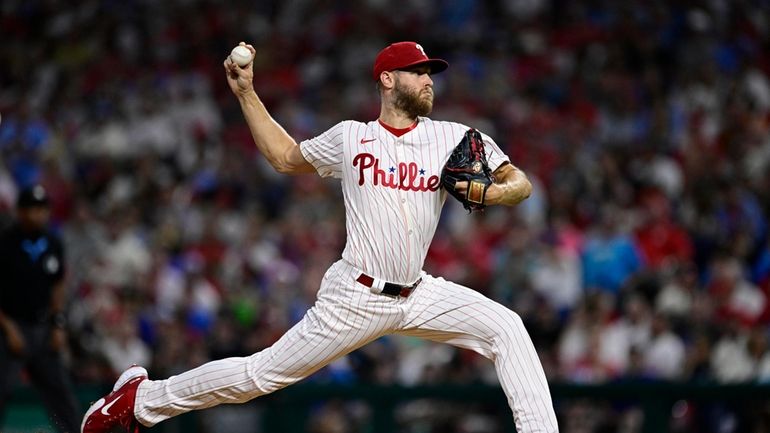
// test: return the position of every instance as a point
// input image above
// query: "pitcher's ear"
(387, 79)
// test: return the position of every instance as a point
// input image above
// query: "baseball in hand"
(240, 55)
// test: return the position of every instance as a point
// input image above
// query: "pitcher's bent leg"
(450, 313)
(309, 345)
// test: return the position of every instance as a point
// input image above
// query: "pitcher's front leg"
(450, 313)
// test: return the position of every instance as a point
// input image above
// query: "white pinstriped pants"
(347, 316)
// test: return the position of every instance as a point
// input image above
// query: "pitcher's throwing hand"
(389, 170)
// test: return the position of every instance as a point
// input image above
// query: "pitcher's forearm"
(513, 192)
(270, 137)
(510, 188)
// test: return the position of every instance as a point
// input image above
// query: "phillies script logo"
(408, 178)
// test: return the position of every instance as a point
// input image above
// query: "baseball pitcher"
(395, 174)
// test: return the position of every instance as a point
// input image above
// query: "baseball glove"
(468, 162)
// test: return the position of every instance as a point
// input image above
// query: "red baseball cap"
(401, 55)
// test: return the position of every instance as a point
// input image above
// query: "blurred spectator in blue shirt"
(610, 257)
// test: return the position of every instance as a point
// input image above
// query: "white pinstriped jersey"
(393, 201)
(391, 187)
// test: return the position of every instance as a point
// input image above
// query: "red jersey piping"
(398, 131)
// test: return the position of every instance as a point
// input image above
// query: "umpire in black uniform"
(32, 320)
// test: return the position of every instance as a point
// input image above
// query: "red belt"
(389, 288)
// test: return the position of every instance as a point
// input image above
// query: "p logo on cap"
(401, 55)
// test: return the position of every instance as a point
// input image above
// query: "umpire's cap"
(34, 196)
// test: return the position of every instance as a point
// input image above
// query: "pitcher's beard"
(413, 103)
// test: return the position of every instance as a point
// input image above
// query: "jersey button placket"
(400, 154)
(408, 213)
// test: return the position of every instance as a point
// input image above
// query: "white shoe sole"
(94, 407)
(131, 373)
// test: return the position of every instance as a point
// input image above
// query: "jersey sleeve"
(58, 250)
(325, 152)
(495, 155)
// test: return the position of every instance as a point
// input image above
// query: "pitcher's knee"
(268, 377)
(510, 322)
(512, 316)
(509, 328)
(269, 385)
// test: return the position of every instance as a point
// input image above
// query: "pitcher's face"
(413, 91)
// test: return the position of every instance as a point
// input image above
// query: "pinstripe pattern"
(389, 229)
(446, 312)
(390, 223)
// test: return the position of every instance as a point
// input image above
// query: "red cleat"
(115, 412)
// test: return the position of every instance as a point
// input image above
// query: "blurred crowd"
(644, 126)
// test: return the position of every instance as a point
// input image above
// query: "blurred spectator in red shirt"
(661, 240)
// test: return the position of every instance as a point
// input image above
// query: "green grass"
(26, 419)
